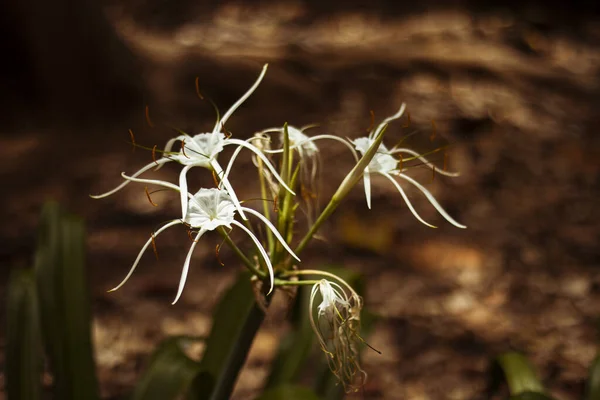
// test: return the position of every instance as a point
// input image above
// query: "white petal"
(262, 251)
(264, 159)
(407, 201)
(367, 184)
(137, 260)
(152, 182)
(138, 173)
(183, 190)
(238, 103)
(273, 229)
(186, 266)
(433, 201)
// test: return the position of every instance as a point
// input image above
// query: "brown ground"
(515, 93)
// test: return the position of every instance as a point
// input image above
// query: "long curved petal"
(424, 160)
(273, 229)
(262, 252)
(183, 189)
(138, 173)
(264, 159)
(152, 182)
(367, 185)
(225, 182)
(170, 144)
(433, 201)
(186, 265)
(407, 201)
(388, 120)
(139, 257)
(241, 100)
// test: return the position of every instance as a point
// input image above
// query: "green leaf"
(24, 360)
(289, 392)
(64, 304)
(593, 383)
(236, 321)
(169, 373)
(519, 374)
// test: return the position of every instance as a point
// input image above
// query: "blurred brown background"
(513, 87)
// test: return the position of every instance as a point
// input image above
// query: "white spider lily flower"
(202, 150)
(384, 163)
(207, 210)
(337, 328)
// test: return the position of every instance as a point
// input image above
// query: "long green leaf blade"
(23, 343)
(169, 374)
(65, 304)
(519, 374)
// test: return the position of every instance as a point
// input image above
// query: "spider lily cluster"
(287, 160)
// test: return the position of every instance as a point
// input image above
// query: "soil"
(509, 93)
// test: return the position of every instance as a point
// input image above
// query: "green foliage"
(169, 374)
(23, 342)
(289, 392)
(593, 383)
(65, 304)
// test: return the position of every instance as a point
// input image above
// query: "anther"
(154, 154)
(372, 121)
(217, 254)
(275, 208)
(132, 140)
(198, 88)
(183, 148)
(148, 120)
(149, 199)
(154, 245)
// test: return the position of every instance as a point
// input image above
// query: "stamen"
(148, 117)
(434, 133)
(370, 128)
(198, 88)
(189, 232)
(432, 173)
(150, 199)
(183, 148)
(219, 259)
(154, 154)
(154, 245)
(407, 120)
(132, 140)
(275, 207)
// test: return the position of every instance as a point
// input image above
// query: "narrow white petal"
(151, 182)
(183, 189)
(230, 163)
(264, 159)
(388, 120)
(273, 229)
(407, 201)
(186, 265)
(433, 201)
(238, 103)
(367, 184)
(262, 251)
(170, 144)
(138, 173)
(225, 182)
(424, 160)
(137, 260)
